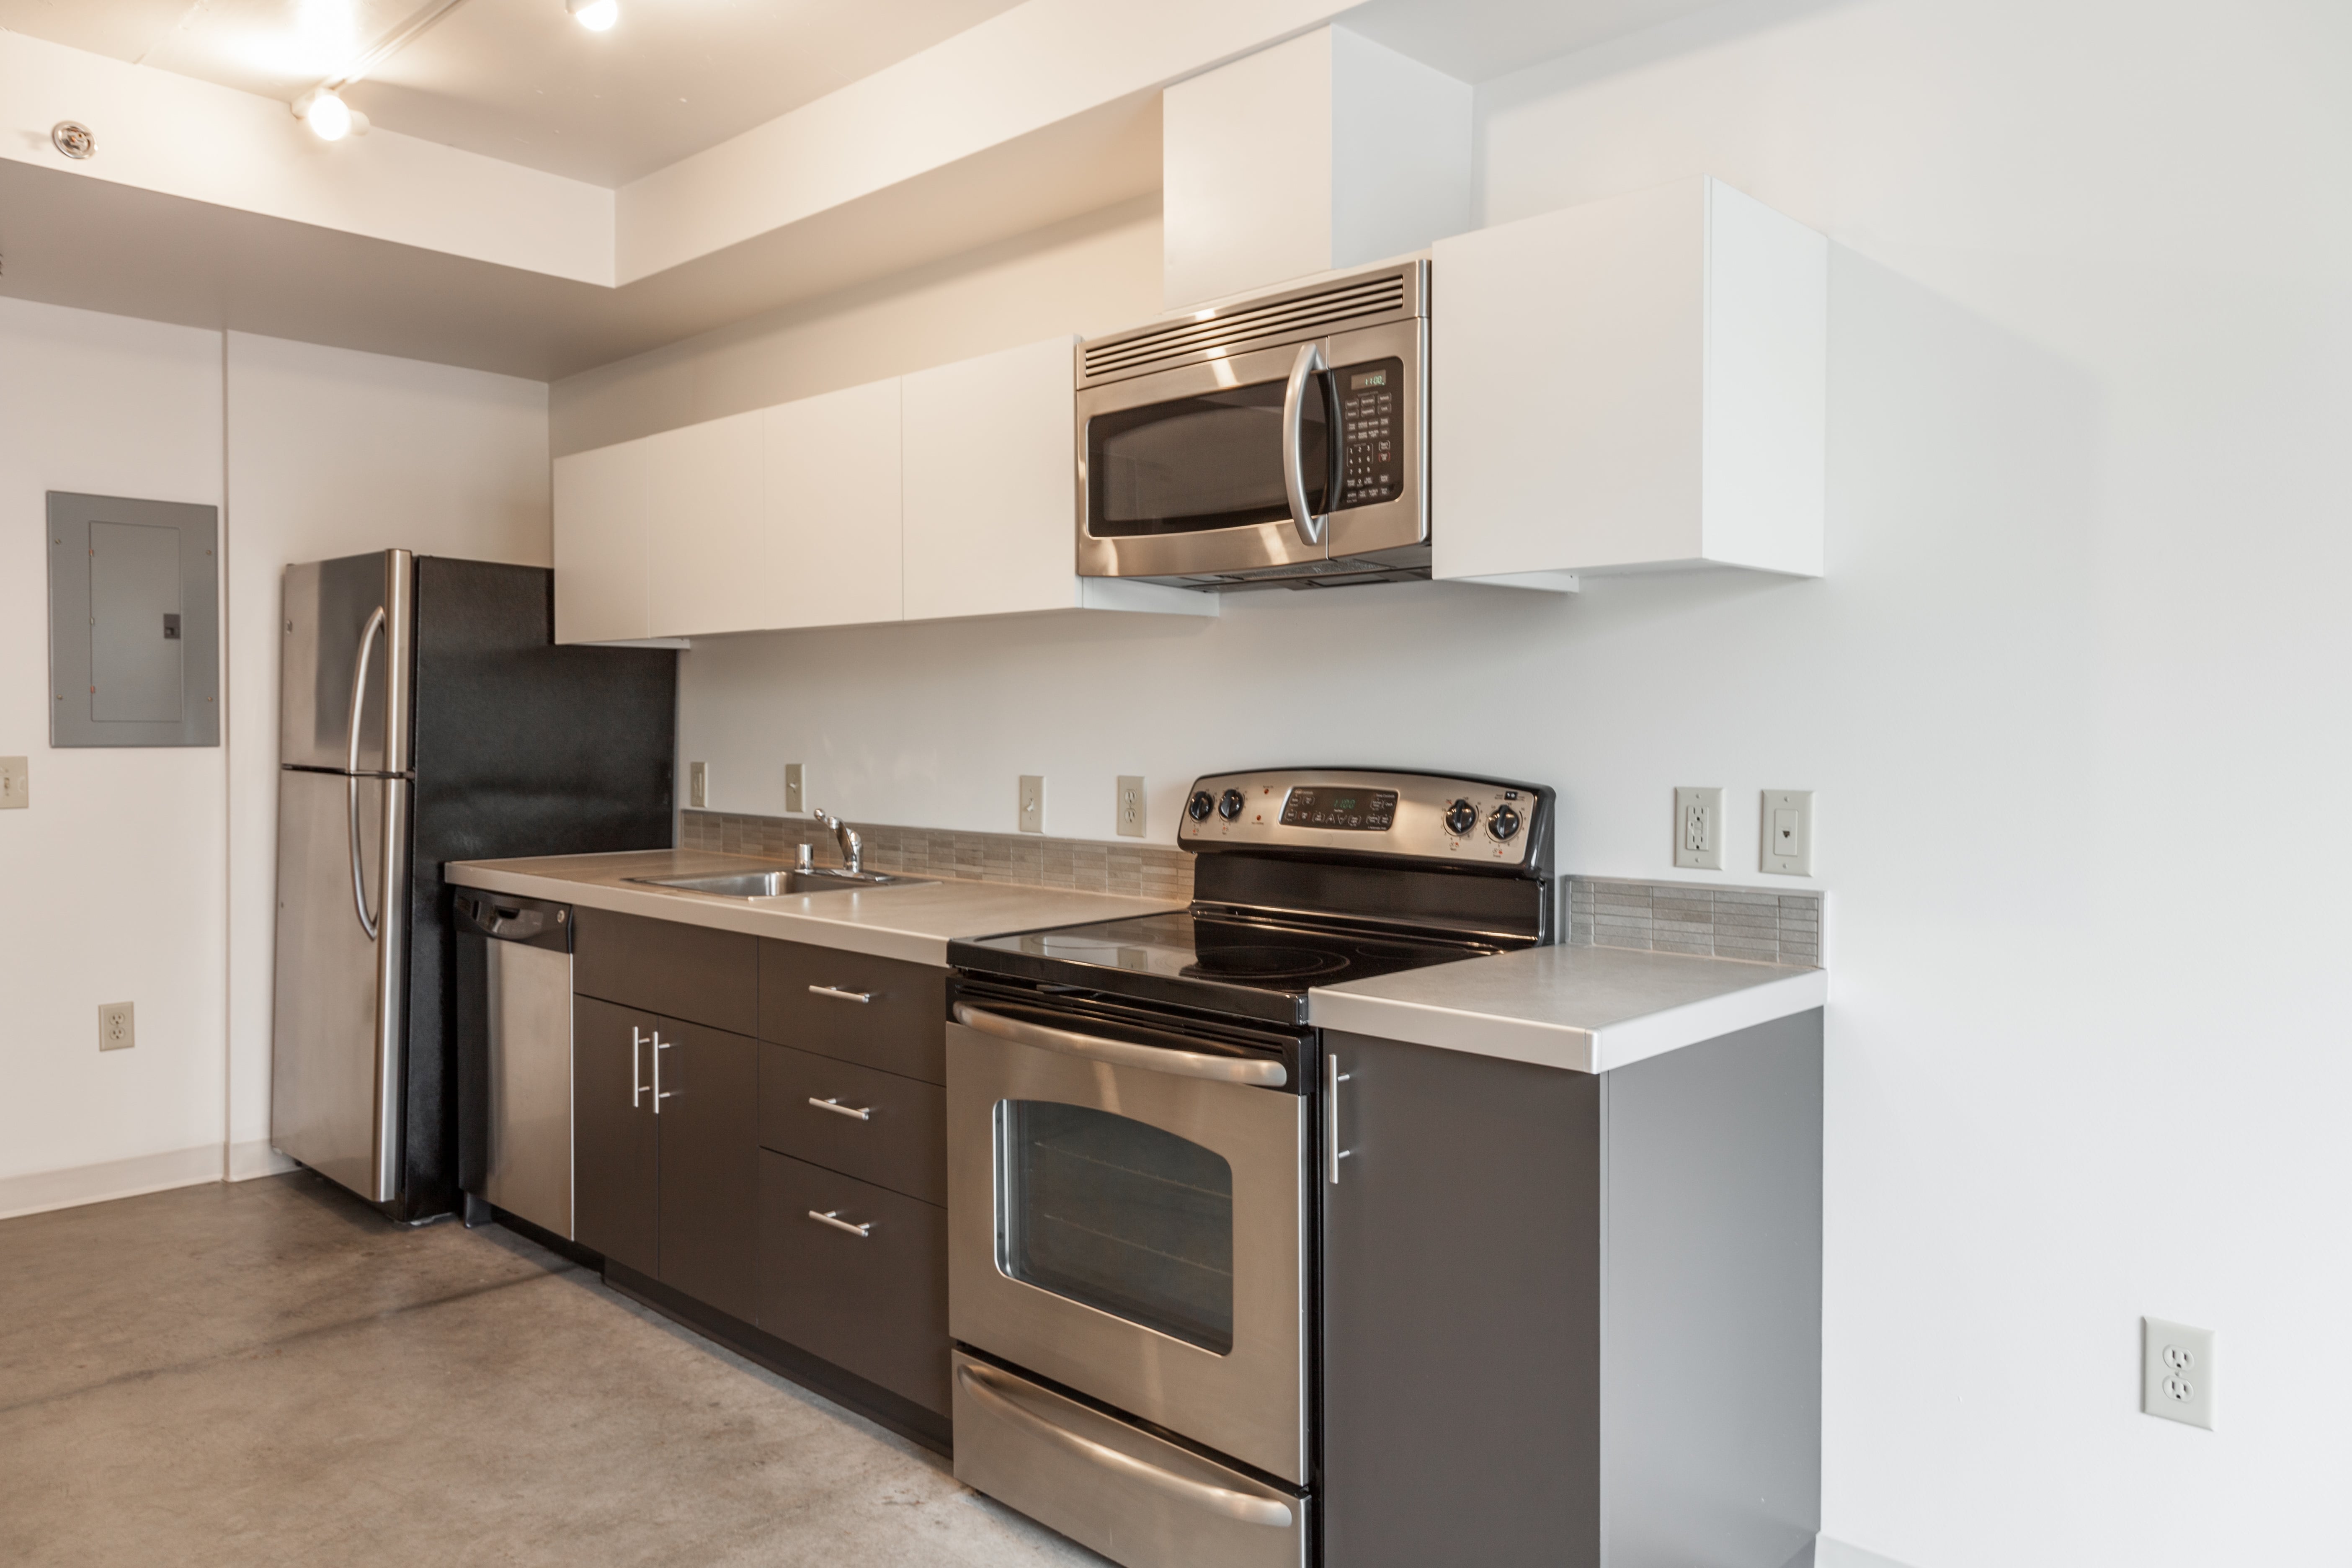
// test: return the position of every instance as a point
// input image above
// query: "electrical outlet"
(697, 786)
(795, 787)
(15, 785)
(115, 1028)
(1698, 830)
(2176, 1378)
(1788, 827)
(1032, 802)
(1128, 817)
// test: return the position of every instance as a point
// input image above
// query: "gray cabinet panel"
(901, 1143)
(616, 1169)
(876, 1304)
(1460, 1330)
(901, 1027)
(710, 1173)
(679, 971)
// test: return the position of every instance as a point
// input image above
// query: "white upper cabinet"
(706, 551)
(1637, 382)
(600, 544)
(832, 508)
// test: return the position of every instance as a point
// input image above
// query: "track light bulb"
(596, 15)
(328, 116)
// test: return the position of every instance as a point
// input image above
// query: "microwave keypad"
(1372, 407)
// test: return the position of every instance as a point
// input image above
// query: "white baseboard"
(1833, 1553)
(40, 1191)
(257, 1158)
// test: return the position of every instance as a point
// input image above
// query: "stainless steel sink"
(778, 884)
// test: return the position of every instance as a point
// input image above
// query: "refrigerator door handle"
(352, 765)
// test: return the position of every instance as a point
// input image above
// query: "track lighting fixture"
(328, 116)
(596, 15)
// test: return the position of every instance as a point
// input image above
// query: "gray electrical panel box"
(134, 622)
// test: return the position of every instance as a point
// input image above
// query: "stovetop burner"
(1254, 963)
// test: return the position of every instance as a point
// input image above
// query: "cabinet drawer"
(876, 1304)
(686, 971)
(900, 1142)
(807, 1000)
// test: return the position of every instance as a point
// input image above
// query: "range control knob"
(1199, 805)
(1231, 805)
(1502, 823)
(1461, 818)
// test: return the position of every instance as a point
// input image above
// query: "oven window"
(1120, 1215)
(1198, 463)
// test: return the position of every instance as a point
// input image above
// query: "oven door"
(1127, 1218)
(1186, 473)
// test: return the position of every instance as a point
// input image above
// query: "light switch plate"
(697, 786)
(116, 1030)
(1032, 802)
(1128, 805)
(1698, 830)
(15, 785)
(2177, 1372)
(1788, 829)
(795, 787)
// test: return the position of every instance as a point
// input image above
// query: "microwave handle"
(1303, 371)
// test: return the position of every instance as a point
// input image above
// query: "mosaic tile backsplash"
(1138, 870)
(1762, 925)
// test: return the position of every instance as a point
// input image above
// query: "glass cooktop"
(1259, 969)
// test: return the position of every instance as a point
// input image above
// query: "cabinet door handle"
(862, 1232)
(637, 1066)
(1332, 1079)
(840, 995)
(660, 1093)
(864, 1113)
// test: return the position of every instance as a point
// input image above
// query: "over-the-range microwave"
(1281, 441)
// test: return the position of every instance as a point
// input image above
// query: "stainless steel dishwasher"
(514, 1058)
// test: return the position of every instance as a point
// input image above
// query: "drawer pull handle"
(840, 995)
(863, 1113)
(860, 1231)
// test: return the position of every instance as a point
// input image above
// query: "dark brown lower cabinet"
(665, 1150)
(710, 1117)
(615, 1159)
(866, 1288)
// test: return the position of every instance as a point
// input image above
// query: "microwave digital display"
(1371, 378)
(1322, 806)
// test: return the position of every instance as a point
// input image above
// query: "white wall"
(335, 453)
(112, 884)
(2073, 694)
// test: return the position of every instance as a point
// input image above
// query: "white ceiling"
(519, 80)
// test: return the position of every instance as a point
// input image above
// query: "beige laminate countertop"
(1587, 1009)
(912, 922)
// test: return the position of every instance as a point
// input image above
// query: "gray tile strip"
(1024, 859)
(1762, 925)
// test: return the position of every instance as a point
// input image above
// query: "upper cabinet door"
(600, 544)
(1640, 382)
(833, 549)
(706, 551)
(991, 485)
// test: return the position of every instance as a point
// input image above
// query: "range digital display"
(1350, 810)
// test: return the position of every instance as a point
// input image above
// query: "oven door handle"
(1169, 1059)
(1233, 1505)
(1295, 393)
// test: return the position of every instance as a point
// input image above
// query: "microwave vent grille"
(1355, 301)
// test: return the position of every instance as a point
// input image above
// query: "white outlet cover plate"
(795, 786)
(15, 783)
(112, 1037)
(1127, 806)
(697, 786)
(2177, 1372)
(1032, 802)
(1787, 830)
(1698, 830)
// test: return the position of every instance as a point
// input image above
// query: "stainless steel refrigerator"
(425, 716)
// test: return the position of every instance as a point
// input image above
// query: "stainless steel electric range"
(1139, 1133)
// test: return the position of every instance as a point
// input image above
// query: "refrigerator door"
(328, 609)
(337, 1056)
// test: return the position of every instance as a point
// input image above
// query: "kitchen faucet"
(852, 847)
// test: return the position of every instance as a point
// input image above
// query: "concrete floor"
(270, 1374)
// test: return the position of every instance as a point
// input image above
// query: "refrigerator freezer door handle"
(352, 765)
